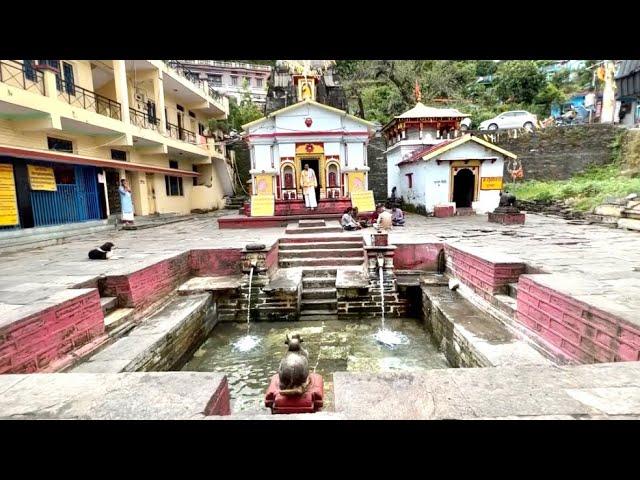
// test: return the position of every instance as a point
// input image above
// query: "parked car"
(465, 124)
(514, 119)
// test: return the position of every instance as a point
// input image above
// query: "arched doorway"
(464, 183)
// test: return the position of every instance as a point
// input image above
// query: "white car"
(465, 124)
(514, 119)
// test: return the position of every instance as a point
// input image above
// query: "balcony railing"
(77, 96)
(174, 131)
(22, 76)
(143, 120)
(194, 78)
(222, 64)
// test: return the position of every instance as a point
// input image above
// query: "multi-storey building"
(71, 129)
(233, 79)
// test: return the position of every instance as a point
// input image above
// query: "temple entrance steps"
(235, 203)
(319, 295)
(318, 225)
(465, 212)
(320, 251)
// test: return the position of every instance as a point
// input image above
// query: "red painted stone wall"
(272, 259)
(422, 256)
(226, 261)
(220, 402)
(484, 277)
(30, 344)
(578, 330)
(144, 287)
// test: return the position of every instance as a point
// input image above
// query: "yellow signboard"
(356, 182)
(491, 183)
(264, 185)
(262, 205)
(42, 178)
(8, 202)
(363, 201)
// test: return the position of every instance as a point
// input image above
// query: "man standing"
(309, 183)
(125, 202)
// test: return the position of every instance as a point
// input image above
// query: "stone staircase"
(235, 203)
(313, 226)
(320, 251)
(116, 320)
(319, 295)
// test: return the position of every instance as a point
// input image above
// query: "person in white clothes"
(309, 183)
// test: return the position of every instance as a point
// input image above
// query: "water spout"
(248, 342)
(380, 269)
(386, 337)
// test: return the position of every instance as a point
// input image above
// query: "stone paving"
(599, 264)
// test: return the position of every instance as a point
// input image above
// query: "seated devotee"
(397, 217)
(374, 216)
(358, 221)
(385, 222)
(347, 221)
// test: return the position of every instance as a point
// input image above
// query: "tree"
(519, 81)
(239, 114)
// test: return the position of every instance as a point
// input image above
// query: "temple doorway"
(464, 184)
(314, 164)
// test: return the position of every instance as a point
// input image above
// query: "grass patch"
(584, 191)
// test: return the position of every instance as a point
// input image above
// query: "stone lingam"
(293, 389)
(507, 212)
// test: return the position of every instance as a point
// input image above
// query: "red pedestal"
(507, 218)
(444, 211)
(309, 402)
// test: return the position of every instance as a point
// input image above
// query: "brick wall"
(422, 256)
(483, 276)
(144, 287)
(30, 344)
(226, 261)
(576, 329)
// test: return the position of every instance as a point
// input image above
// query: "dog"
(104, 252)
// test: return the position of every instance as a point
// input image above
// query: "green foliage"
(584, 191)
(519, 81)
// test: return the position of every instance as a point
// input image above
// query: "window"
(29, 70)
(201, 129)
(410, 179)
(56, 65)
(180, 107)
(234, 81)
(119, 155)
(60, 144)
(69, 80)
(173, 185)
(191, 114)
(65, 174)
(248, 80)
(259, 82)
(215, 79)
(195, 179)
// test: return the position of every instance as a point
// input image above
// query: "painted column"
(122, 91)
(158, 89)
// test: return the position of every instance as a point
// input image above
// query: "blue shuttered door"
(72, 202)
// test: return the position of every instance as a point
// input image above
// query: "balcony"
(24, 77)
(143, 120)
(77, 96)
(221, 103)
(179, 133)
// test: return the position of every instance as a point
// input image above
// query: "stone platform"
(507, 218)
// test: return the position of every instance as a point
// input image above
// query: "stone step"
(326, 293)
(465, 212)
(117, 317)
(311, 223)
(506, 303)
(298, 230)
(314, 262)
(319, 317)
(318, 283)
(512, 290)
(324, 312)
(108, 304)
(320, 245)
(318, 304)
(321, 239)
(319, 273)
(321, 253)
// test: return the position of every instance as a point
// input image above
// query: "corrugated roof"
(627, 68)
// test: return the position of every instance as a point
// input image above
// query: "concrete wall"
(557, 153)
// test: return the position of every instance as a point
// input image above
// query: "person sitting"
(397, 217)
(384, 220)
(374, 216)
(358, 221)
(347, 221)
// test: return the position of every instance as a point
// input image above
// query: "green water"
(333, 346)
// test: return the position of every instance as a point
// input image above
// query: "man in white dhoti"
(309, 183)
